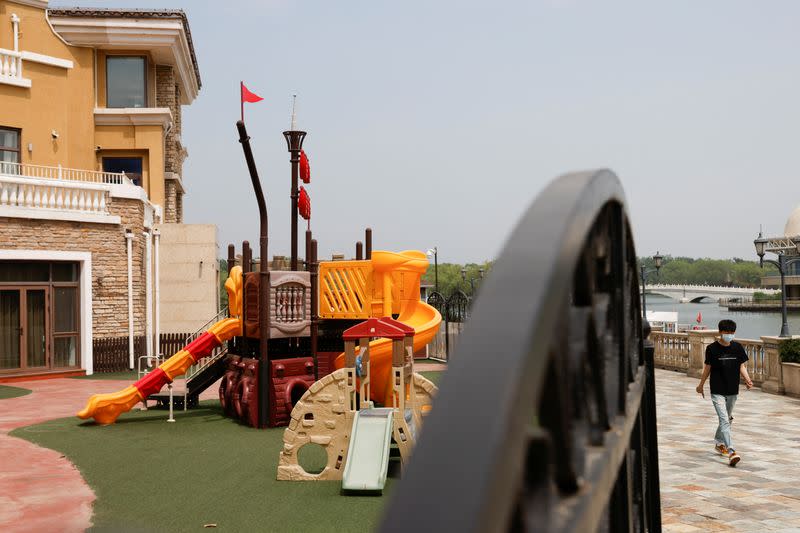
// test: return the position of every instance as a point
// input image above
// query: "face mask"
(728, 337)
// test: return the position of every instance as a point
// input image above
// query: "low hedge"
(790, 351)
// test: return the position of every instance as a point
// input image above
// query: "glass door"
(24, 328)
(35, 328)
(10, 329)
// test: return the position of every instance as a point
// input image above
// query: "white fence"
(26, 193)
(63, 173)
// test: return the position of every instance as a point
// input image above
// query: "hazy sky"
(437, 123)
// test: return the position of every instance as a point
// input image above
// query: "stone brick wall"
(165, 97)
(106, 242)
(170, 207)
(179, 207)
(168, 94)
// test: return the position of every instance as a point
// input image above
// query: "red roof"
(385, 327)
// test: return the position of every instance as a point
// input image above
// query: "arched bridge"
(697, 293)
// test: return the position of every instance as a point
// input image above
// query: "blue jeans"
(723, 405)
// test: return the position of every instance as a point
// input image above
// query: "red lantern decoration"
(304, 204)
(305, 167)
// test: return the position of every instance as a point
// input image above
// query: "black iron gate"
(547, 419)
(455, 312)
(437, 349)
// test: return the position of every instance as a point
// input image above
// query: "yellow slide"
(414, 313)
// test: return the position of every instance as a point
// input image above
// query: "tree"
(223, 275)
(685, 270)
(450, 279)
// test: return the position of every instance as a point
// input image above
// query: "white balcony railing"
(39, 194)
(11, 68)
(62, 173)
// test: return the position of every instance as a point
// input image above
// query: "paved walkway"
(34, 479)
(699, 491)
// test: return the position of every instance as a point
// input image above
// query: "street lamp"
(783, 263)
(435, 253)
(481, 272)
(658, 260)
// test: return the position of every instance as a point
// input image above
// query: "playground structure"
(286, 349)
(338, 413)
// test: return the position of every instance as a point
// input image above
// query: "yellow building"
(90, 170)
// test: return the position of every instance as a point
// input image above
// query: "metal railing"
(204, 362)
(62, 173)
(546, 420)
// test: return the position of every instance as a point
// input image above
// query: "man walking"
(725, 362)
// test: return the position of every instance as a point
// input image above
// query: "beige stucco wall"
(59, 99)
(64, 100)
(188, 276)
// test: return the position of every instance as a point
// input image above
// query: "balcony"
(58, 193)
(11, 68)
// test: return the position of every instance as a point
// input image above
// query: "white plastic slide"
(368, 453)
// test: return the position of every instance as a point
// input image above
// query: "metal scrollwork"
(547, 419)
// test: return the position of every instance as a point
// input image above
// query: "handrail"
(63, 173)
(558, 319)
(222, 313)
(201, 365)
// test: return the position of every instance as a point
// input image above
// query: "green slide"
(368, 453)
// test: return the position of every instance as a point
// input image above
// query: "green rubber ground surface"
(151, 475)
(7, 391)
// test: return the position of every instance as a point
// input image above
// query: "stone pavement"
(34, 479)
(699, 491)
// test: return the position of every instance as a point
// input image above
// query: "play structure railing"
(546, 420)
(345, 289)
(201, 365)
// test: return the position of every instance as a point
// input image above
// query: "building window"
(126, 81)
(131, 166)
(9, 150)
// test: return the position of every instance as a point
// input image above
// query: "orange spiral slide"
(414, 313)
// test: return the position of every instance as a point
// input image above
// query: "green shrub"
(790, 351)
(763, 296)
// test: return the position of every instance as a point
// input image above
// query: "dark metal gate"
(455, 312)
(547, 420)
(437, 349)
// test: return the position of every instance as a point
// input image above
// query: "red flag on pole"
(305, 167)
(247, 96)
(699, 317)
(304, 204)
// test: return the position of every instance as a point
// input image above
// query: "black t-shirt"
(725, 362)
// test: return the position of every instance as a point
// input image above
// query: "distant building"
(786, 244)
(91, 186)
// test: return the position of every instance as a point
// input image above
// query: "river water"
(748, 325)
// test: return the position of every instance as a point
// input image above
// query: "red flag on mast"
(247, 96)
